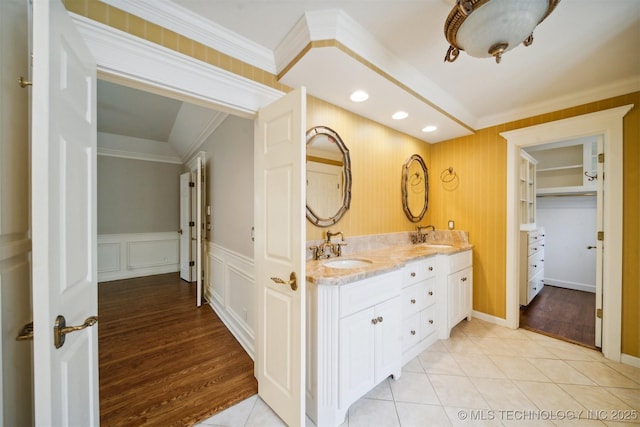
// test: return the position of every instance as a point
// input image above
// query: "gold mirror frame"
(414, 183)
(317, 133)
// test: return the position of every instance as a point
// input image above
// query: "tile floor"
(487, 375)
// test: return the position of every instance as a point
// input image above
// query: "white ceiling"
(584, 51)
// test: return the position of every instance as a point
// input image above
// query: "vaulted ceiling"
(584, 51)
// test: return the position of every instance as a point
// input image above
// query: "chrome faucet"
(334, 248)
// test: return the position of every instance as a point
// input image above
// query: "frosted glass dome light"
(486, 28)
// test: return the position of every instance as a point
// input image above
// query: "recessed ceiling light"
(429, 128)
(359, 96)
(399, 115)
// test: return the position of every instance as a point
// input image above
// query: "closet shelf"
(559, 168)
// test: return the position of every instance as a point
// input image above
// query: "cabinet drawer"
(535, 285)
(430, 292)
(536, 248)
(536, 235)
(536, 264)
(417, 271)
(413, 299)
(411, 331)
(366, 293)
(428, 322)
(459, 261)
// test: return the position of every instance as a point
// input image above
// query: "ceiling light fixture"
(430, 128)
(485, 28)
(359, 96)
(399, 115)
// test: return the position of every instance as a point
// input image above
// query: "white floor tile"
(484, 375)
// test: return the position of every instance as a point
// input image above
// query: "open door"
(63, 214)
(599, 242)
(197, 226)
(279, 186)
(187, 268)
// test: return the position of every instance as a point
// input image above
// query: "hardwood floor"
(163, 361)
(562, 313)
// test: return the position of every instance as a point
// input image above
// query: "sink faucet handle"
(330, 235)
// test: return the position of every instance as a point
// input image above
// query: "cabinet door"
(388, 346)
(357, 355)
(460, 295)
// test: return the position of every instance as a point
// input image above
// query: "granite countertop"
(382, 261)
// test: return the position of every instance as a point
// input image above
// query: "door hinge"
(192, 263)
(599, 313)
(601, 158)
(192, 224)
(192, 184)
(601, 235)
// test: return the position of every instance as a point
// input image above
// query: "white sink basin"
(347, 263)
(435, 246)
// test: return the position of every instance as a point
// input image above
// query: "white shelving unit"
(561, 167)
(527, 190)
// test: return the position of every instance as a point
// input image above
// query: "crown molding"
(191, 25)
(128, 147)
(117, 53)
(338, 27)
(611, 90)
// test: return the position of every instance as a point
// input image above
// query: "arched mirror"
(415, 188)
(328, 177)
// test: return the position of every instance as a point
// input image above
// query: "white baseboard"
(489, 318)
(124, 256)
(570, 285)
(230, 289)
(630, 360)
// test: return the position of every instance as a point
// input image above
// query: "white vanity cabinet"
(419, 308)
(353, 342)
(459, 289)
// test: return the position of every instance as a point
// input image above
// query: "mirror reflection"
(328, 176)
(415, 188)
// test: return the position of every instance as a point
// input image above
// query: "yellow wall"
(378, 154)
(477, 205)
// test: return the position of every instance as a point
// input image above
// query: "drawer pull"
(413, 300)
(430, 268)
(413, 274)
(380, 319)
(535, 265)
(374, 321)
(413, 332)
(430, 293)
(464, 279)
(431, 321)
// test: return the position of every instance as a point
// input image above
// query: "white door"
(599, 247)
(279, 214)
(63, 200)
(186, 269)
(196, 166)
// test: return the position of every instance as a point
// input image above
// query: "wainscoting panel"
(230, 288)
(123, 256)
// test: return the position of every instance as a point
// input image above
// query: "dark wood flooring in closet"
(163, 361)
(562, 313)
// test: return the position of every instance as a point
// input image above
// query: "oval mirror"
(328, 177)
(415, 188)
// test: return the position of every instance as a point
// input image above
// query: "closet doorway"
(568, 210)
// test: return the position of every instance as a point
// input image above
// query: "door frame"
(608, 123)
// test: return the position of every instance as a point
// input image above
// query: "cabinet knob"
(413, 332)
(535, 265)
(431, 321)
(413, 300)
(430, 268)
(413, 274)
(430, 293)
(464, 279)
(380, 319)
(374, 321)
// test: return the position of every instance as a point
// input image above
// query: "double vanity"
(372, 311)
